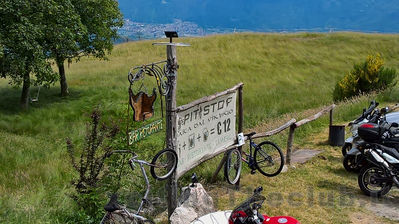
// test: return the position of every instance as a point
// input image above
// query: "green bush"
(91, 168)
(364, 78)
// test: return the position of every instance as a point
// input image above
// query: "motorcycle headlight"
(354, 129)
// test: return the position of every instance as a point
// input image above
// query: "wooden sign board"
(205, 129)
(143, 132)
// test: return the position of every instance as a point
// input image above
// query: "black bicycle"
(266, 157)
(162, 166)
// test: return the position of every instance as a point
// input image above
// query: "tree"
(21, 45)
(63, 31)
(89, 30)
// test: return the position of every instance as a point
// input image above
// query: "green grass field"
(284, 75)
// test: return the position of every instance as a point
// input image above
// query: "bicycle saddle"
(250, 134)
(112, 204)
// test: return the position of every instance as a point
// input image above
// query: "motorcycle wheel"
(346, 148)
(350, 163)
(369, 185)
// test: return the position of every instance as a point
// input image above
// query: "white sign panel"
(205, 129)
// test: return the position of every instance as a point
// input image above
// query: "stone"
(183, 215)
(194, 202)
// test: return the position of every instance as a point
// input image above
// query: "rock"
(194, 202)
(285, 169)
(162, 217)
(183, 215)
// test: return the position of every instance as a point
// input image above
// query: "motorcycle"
(382, 172)
(353, 125)
(354, 160)
(246, 213)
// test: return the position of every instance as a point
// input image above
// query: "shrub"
(364, 78)
(89, 184)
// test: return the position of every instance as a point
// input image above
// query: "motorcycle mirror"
(384, 110)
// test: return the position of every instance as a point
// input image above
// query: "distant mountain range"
(269, 15)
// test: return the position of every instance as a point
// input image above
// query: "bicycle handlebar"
(123, 151)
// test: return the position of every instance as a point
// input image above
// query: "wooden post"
(289, 144)
(220, 166)
(171, 185)
(240, 125)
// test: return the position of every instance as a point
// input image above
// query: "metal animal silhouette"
(142, 104)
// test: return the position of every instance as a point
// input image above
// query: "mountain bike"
(266, 157)
(162, 166)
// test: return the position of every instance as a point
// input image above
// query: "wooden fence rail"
(292, 124)
(302, 122)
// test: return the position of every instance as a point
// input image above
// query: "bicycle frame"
(141, 163)
(252, 146)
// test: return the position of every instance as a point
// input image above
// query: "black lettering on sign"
(206, 110)
(219, 128)
(226, 125)
(220, 105)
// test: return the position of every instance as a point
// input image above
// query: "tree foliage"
(90, 30)
(34, 33)
(365, 77)
(22, 39)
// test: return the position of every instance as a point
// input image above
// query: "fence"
(293, 125)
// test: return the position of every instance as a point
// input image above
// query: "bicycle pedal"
(253, 172)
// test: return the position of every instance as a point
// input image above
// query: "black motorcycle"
(380, 148)
(354, 159)
(354, 125)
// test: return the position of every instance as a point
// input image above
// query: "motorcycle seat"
(391, 151)
(250, 134)
(394, 139)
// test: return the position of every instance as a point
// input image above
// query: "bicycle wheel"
(269, 159)
(232, 166)
(163, 164)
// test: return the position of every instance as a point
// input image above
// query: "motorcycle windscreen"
(242, 210)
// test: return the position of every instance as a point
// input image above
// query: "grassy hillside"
(282, 73)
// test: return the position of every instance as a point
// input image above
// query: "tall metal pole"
(171, 185)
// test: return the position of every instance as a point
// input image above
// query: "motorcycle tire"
(345, 149)
(350, 163)
(365, 180)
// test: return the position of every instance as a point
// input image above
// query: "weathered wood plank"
(208, 98)
(275, 131)
(289, 145)
(220, 166)
(394, 107)
(314, 117)
(240, 123)
(171, 185)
